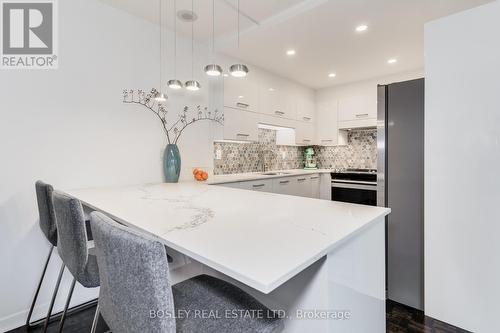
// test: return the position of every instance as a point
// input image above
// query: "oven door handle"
(354, 186)
(346, 181)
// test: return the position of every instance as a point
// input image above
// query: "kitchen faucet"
(263, 153)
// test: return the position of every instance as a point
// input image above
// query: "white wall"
(462, 155)
(69, 127)
(365, 87)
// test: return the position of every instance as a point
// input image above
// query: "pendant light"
(213, 69)
(238, 70)
(174, 83)
(159, 96)
(192, 84)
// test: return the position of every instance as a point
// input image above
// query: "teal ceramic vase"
(172, 163)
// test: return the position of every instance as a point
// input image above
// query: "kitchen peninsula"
(266, 244)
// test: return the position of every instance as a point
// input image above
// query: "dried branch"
(173, 132)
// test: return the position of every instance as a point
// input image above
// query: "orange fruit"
(204, 175)
(195, 171)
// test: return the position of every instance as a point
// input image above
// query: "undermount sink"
(274, 173)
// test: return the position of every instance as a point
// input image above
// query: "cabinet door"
(326, 125)
(232, 185)
(304, 134)
(240, 125)
(315, 182)
(306, 110)
(302, 186)
(277, 102)
(283, 185)
(241, 93)
(362, 106)
(264, 185)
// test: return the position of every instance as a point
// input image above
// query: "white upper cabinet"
(241, 93)
(277, 102)
(306, 109)
(304, 134)
(358, 111)
(240, 125)
(327, 124)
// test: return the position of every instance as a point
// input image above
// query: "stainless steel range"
(355, 186)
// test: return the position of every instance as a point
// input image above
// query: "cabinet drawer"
(283, 185)
(264, 185)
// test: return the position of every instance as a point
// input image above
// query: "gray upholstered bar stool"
(47, 224)
(135, 280)
(72, 244)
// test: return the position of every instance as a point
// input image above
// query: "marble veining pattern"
(197, 215)
(360, 152)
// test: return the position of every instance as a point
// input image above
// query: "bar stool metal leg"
(28, 320)
(96, 319)
(68, 300)
(54, 295)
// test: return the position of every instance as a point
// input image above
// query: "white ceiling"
(321, 31)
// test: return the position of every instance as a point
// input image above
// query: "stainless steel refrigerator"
(400, 186)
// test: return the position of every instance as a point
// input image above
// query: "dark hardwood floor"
(400, 319)
(403, 319)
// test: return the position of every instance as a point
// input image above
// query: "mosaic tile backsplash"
(361, 152)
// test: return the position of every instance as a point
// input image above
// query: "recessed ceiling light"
(361, 28)
(392, 61)
(290, 52)
(187, 15)
(332, 75)
(271, 89)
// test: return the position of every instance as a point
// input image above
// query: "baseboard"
(18, 319)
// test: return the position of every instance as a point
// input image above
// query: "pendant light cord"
(161, 45)
(213, 28)
(238, 23)
(192, 41)
(175, 39)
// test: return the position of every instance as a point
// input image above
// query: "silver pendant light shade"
(193, 85)
(238, 70)
(174, 84)
(213, 70)
(160, 97)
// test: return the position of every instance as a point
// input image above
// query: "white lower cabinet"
(284, 185)
(315, 186)
(302, 186)
(264, 185)
(233, 185)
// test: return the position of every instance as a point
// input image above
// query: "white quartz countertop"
(260, 239)
(241, 177)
